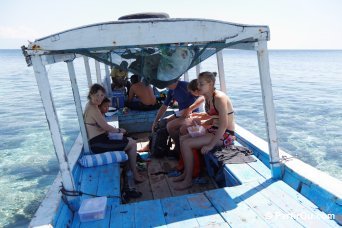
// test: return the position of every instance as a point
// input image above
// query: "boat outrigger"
(276, 190)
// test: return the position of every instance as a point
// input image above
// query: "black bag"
(160, 142)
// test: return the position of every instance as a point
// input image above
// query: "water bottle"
(130, 179)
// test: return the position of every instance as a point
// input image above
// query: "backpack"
(160, 142)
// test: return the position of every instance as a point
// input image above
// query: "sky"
(294, 24)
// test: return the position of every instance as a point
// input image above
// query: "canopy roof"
(159, 50)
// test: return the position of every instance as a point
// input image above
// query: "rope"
(80, 193)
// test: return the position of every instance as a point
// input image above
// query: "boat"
(275, 190)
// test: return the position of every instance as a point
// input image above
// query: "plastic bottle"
(130, 179)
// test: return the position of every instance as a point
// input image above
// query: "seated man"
(187, 102)
(141, 96)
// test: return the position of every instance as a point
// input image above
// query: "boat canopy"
(159, 50)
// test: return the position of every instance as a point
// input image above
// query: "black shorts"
(137, 105)
(102, 143)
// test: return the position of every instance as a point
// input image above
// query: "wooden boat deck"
(258, 201)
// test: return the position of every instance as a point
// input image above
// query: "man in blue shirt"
(187, 103)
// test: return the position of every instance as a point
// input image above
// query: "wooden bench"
(224, 175)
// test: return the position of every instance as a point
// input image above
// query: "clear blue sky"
(294, 24)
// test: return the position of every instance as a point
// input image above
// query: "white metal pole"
(108, 82)
(198, 69)
(87, 68)
(51, 117)
(186, 76)
(269, 112)
(98, 72)
(220, 67)
(77, 99)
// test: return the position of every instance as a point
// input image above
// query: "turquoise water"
(308, 101)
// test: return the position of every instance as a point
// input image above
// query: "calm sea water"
(307, 87)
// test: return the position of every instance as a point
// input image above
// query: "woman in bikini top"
(211, 110)
(219, 107)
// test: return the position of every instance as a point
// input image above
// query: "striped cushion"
(102, 159)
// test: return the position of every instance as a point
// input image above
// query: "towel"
(103, 158)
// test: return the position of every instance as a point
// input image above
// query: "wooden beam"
(186, 76)
(87, 68)
(78, 104)
(269, 112)
(220, 67)
(52, 119)
(51, 59)
(198, 69)
(108, 82)
(98, 72)
(148, 32)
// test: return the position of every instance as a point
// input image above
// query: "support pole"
(220, 67)
(108, 82)
(87, 68)
(51, 117)
(77, 99)
(198, 69)
(186, 76)
(269, 112)
(98, 72)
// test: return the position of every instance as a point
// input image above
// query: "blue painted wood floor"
(257, 202)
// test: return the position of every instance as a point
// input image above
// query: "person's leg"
(186, 147)
(131, 150)
(173, 127)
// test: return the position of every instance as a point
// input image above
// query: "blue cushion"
(103, 158)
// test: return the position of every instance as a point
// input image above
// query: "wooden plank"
(243, 172)
(52, 119)
(260, 168)
(89, 184)
(178, 212)
(204, 211)
(168, 165)
(235, 214)
(123, 216)
(65, 216)
(261, 205)
(89, 181)
(76, 221)
(292, 207)
(220, 66)
(296, 197)
(109, 183)
(144, 188)
(149, 214)
(187, 30)
(159, 185)
(78, 104)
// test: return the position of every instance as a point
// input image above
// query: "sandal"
(174, 173)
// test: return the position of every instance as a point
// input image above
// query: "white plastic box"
(93, 209)
(196, 130)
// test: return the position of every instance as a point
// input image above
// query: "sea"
(307, 89)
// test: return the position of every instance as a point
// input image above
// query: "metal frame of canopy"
(144, 32)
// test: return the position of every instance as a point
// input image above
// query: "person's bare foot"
(179, 178)
(183, 185)
(145, 148)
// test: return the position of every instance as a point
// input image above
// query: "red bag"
(198, 162)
